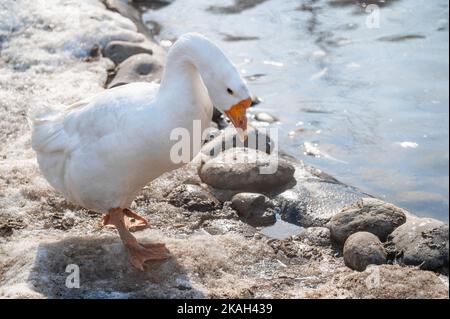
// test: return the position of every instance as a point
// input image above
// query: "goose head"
(226, 88)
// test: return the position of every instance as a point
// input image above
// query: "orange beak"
(238, 115)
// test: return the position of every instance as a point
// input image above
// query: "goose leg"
(140, 253)
(133, 221)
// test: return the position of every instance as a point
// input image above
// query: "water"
(368, 105)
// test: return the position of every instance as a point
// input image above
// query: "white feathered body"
(99, 153)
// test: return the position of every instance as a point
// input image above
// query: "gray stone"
(68, 220)
(193, 198)
(265, 117)
(138, 68)
(228, 138)
(315, 198)
(422, 241)
(246, 170)
(255, 209)
(119, 51)
(370, 215)
(362, 249)
(131, 12)
(319, 236)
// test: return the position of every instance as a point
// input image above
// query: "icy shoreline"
(50, 55)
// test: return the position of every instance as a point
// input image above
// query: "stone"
(422, 242)
(246, 170)
(319, 236)
(138, 68)
(370, 215)
(119, 51)
(363, 249)
(68, 220)
(265, 117)
(219, 119)
(255, 209)
(315, 198)
(228, 138)
(193, 198)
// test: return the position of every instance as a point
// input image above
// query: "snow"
(42, 66)
(44, 46)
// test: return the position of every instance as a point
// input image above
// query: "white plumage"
(100, 152)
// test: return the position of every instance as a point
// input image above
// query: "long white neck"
(185, 67)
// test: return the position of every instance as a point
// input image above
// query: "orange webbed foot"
(141, 253)
(133, 221)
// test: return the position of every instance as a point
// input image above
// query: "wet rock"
(138, 68)
(319, 236)
(362, 249)
(246, 170)
(119, 51)
(193, 198)
(265, 117)
(422, 241)
(255, 209)
(370, 215)
(315, 198)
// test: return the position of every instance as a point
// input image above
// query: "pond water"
(361, 95)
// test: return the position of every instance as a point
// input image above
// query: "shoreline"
(216, 252)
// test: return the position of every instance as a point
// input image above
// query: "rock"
(315, 198)
(8, 224)
(119, 51)
(265, 117)
(219, 119)
(131, 12)
(370, 215)
(319, 236)
(256, 139)
(138, 68)
(255, 209)
(68, 220)
(246, 170)
(193, 198)
(5, 230)
(422, 241)
(362, 249)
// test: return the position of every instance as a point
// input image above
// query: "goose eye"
(230, 91)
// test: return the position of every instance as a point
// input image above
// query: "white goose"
(99, 153)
